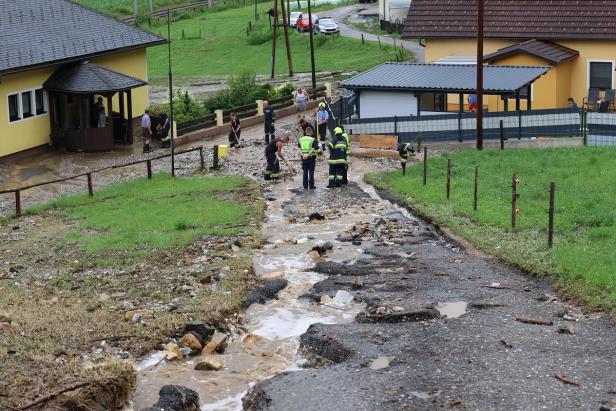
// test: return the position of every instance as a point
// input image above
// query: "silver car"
(327, 25)
(293, 18)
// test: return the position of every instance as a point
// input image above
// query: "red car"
(303, 24)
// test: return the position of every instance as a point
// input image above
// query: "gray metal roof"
(445, 77)
(86, 77)
(43, 32)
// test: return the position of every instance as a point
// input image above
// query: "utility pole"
(286, 37)
(479, 75)
(170, 94)
(314, 74)
(288, 12)
(136, 8)
(274, 38)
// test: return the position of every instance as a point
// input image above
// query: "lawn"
(123, 8)
(214, 42)
(582, 260)
(97, 278)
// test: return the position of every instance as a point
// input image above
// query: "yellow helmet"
(337, 131)
(321, 105)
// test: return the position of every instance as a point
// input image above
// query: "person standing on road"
(322, 118)
(236, 130)
(309, 149)
(273, 153)
(347, 153)
(301, 99)
(270, 118)
(405, 150)
(146, 130)
(337, 152)
(164, 125)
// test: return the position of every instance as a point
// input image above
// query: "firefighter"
(405, 150)
(273, 153)
(337, 162)
(347, 139)
(269, 119)
(309, 149)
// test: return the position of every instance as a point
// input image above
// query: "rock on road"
(347, 30)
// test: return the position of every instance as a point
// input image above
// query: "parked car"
(303, 24)
(293, 18)
(326, 25)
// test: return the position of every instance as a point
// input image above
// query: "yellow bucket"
(223, 151)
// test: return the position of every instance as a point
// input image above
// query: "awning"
(553, 53)
(448, 78)
(89, 78)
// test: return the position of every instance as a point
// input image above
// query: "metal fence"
(461, 126)
(341, 111)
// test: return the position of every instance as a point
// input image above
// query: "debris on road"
(566, 380)
(533, 321)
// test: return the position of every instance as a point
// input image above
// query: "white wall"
(387, 104)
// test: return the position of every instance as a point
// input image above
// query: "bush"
(185, 107)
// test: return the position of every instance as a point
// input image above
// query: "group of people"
(159, 127)
(311, 145)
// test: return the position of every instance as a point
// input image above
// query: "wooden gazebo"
(72, 91)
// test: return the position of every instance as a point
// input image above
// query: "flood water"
(273, 329)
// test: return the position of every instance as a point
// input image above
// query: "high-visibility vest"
(348, 143)
(306, 145)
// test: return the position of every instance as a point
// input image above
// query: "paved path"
(347, 30)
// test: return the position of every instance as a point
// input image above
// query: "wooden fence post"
(17, 203)
(475, 189)
(448, 178)
(425, 169)
(502, 135)
(202, 158)
(215, 164)
(551, 216)
(514, 200)
(149, 165)
(362, 39)
(90, 189)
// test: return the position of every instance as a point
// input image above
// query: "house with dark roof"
(69, 75)
(576, 39)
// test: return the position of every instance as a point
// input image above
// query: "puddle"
(28, 173)
(452, 309)
(380, 363)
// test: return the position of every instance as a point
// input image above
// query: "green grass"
(223, 49)
(123, 8)
(582, 260)
(145, 215)
(373, 28)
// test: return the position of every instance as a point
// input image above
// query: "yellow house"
(57, 58)
(576, 39)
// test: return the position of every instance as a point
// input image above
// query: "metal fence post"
(551, 215)
(149, 167)
(215, 162)
(90, 189)
(475, 188)
(17, 203)
(448, 178)
(425, 168)
(395, 125)
(201, 154)
(340, 109)
(584, 126)
(501, 134)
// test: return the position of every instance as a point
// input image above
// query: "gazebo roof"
(89, 78)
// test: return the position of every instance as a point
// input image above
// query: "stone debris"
(252, 339)
(200, 330)
(326, 299)
(209, 363)
(172, 352)
(274, 275)
(343, 298)
(567, 329)
(217, 343)
(189, 340)
(176, 398)
(138, 315)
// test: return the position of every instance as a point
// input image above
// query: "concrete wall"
(386, 104)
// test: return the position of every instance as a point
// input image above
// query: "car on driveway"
(303, 24)
(326, 25)
(293, 18)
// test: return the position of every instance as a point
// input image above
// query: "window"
(600, 75)
(40, 101)
(26, 104)
(432, 102)
(14, 107)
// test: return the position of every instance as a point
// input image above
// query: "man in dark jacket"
(273, 153)
(270, 118)
(337, 160)
(405, 150)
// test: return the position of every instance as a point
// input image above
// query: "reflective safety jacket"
(337, 150)
(309, 146)
(347, 139)
(405, 149)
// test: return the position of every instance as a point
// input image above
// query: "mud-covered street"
(430, 325)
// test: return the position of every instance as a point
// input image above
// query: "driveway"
(347, 30)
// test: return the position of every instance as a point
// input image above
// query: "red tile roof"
(551, 52)
(513, 19)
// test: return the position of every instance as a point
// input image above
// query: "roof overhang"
(447, 78)
(89, 78)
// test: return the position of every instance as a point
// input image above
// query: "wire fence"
(594, 127)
